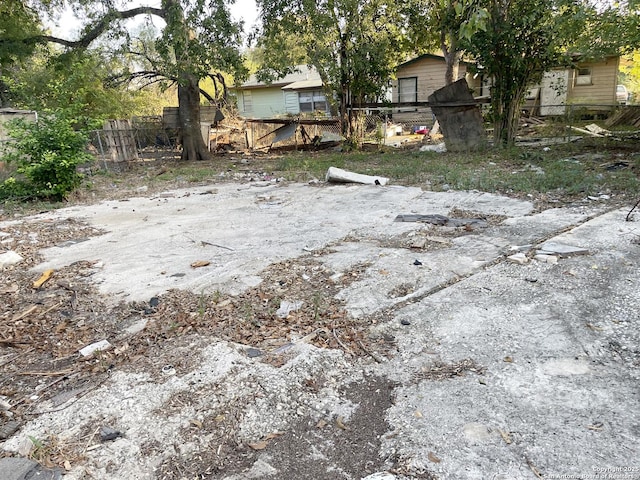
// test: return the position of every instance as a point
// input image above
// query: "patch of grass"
(191, 173)
(563, 169)
(52, 452)
(14, 208)
(588, 167)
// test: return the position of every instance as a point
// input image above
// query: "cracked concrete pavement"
(502, 370)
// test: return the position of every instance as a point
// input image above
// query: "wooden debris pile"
(629, 115)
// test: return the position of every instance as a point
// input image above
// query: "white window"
(583, 76)
(408, 89)
(247, 101)
(313, 101)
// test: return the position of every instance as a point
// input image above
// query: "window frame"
(247, 101)
(583, 77)
(317, 105)
(414, 93)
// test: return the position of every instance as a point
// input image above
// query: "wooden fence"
(120, 141)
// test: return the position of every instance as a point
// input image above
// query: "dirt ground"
(315, 379)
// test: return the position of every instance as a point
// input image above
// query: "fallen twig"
(53, 307)
(203, 243)
(628, 217)
(361, 345)
(95, 432)
(71, 402)
(48, 374)
(26, 397)
(10, 343)
(16, 356)
(342, 345)
(533, 468)
(20, 316)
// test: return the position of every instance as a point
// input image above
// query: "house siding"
(430, 73)
(561, 88)
(266, 103)
(602, 90)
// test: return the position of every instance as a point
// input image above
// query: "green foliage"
(520, 42)
(74, 84)
(354, 45)
(45, 155)
(200, 37)
(442, 25)
(630, 70)
(606, 29)
(17, 23)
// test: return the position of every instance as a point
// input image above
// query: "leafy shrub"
(46, 155)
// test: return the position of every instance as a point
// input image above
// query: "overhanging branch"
(147, 77)
(102, 25)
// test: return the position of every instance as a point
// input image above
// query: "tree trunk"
(506, 107)
(345, 116)
(193, 145)
(452, 59)
(5, 96)
(451, 54)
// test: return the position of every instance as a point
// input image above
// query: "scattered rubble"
(100, 346)
(437, 148)
(25, 469)
(561, 250)
(443, 220)
(519, 258)
(263, 381)
(10, 258)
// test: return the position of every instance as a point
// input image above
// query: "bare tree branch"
(102, 25)
(208, 97)
(147, 77)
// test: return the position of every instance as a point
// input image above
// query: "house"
(420, 77)
(296, 93)
(588, 85)
(417, 79)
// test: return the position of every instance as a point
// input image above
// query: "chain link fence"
(291, 133)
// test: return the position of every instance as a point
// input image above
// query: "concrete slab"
(500, 370)
(240, 229)
(151, 242)
(559, 395)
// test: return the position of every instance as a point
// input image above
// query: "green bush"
(46, 155)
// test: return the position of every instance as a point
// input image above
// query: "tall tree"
(630, 70)
(442, 24)
(354, 45)
(519, 44)
(198, 37)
